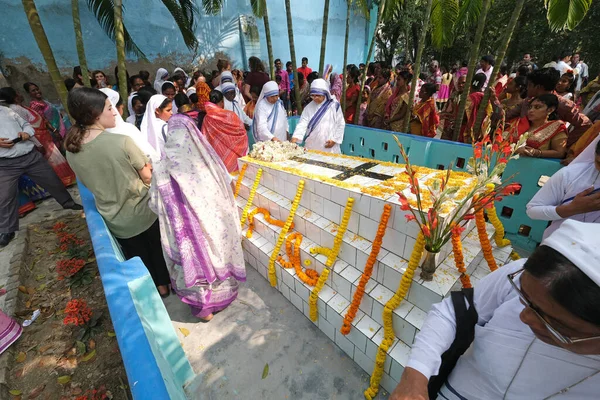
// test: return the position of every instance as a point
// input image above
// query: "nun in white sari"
(231, 103)
(161, 77)
(573, 192)
(127, 129)
(227, 77)
(538, 330)
(270, 119)
(322, 123)
(153, 127)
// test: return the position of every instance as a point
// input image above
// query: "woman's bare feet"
(207, 318)
(163, 290)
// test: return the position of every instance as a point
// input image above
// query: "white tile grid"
(341, 285)
(394, 241)
(323, 190)
(367, 326)
(332, 211)
(306, 309)
(316, 204)
(343, 343)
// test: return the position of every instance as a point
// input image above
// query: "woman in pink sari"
(48, 111)
(202, 249)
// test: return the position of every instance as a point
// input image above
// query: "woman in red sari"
(351, 94)
(224, 131)
(471, 109)
(425, 117)
(42, 135)
(547, 138)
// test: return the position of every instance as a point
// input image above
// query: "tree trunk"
(120, 41)
(473, 58)
(345, 77)
(324, 37)
(288, 12)
(500, 54)
(364, 77)
(417, 63)
(269, 44)
(42, 41)
(79, 43)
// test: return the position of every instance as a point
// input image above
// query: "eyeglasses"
(559, 337)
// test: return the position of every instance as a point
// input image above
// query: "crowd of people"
(155, 175)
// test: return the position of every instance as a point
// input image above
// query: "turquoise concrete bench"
(439, 154)
(156, 365)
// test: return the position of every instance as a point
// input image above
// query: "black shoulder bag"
(465, 333)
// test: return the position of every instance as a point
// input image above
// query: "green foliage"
(566, 14)
(258, 7)
(444, 15)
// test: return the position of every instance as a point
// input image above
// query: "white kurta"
(262, 123)
(239, 111)
(499, 352)
(330, 127)
(564, 184)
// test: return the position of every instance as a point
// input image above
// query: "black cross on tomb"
(347, 172)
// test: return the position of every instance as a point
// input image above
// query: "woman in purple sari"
(200, 228)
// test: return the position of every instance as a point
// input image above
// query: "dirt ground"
(51, 361)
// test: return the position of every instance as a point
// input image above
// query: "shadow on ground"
(261, 327)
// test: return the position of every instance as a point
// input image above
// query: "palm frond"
(468, 14)
(212, 7)
(391, 9)
(258, 7)
(566, 14)
(103, 10)
(360, 7)
(444, 14)
(184, 12)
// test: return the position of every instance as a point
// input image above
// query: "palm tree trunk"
(269, 43)
(417, 63)
(120, 41)
(324, 37)
(288, 12)
(348, 3)
(364, 77)
(42, 41)
(499, 57)
(79, 43)
(473, 58)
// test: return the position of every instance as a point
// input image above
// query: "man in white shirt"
(19, 157)
(580, 69)
(487, 67)
(537, 334)
(563, 65)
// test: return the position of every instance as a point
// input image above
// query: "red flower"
(502, 160)
(426, 230)
(77, 313)
(469, 216)
(477, 152)
(506, 150)
(68, 268)
(511, 188)
(409, 217)
(495, 147)
(457, 230)
(403, 201)
(432, 217)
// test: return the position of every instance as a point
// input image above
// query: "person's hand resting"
(412, 386)
(583, 203)
(329, 144)
(6, 143)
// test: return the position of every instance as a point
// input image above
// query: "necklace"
(562, 391)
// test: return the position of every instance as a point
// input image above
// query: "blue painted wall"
(155, 32)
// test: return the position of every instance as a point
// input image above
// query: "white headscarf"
(588, 155)
(269, 89)
(152, 126)
(578, 241)
(125, 128)
(187, 78)
(161, 75)
(226, 76)
(321, 87)
(227, 87)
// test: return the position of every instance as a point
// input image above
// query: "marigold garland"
(267, 216)
(390, 306)
(283, 233)
(240, 178)
(499, 238)
(368, 271)
(486, 247)
(337, 241)
(251, 196)
(458, 257)
(309, 276)
(314, 295)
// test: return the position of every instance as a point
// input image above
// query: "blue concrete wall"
(155, 32)
(156, 365)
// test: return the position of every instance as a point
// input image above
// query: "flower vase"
(429, 265)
